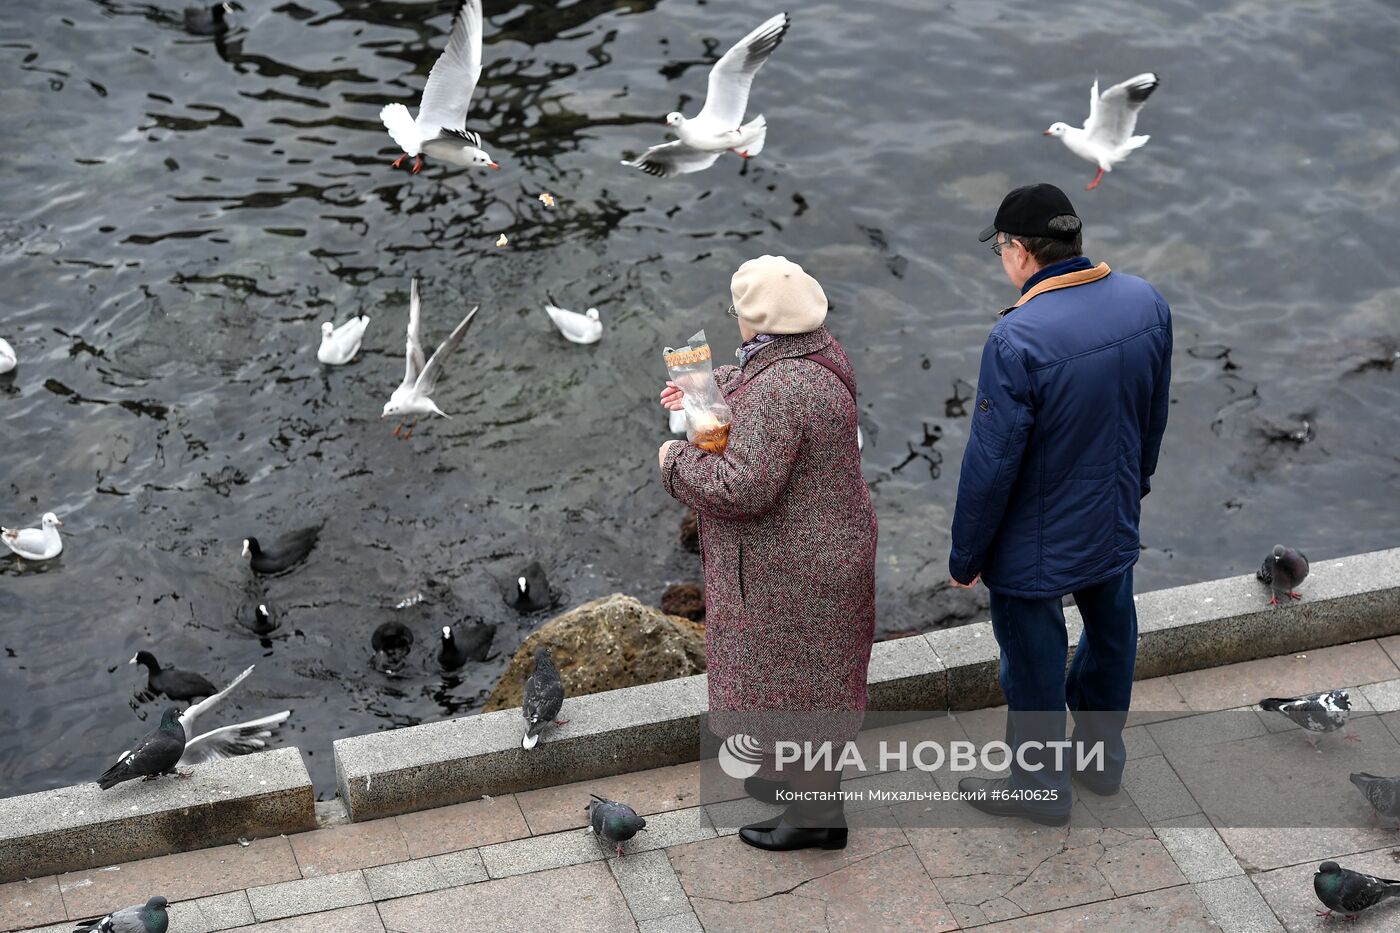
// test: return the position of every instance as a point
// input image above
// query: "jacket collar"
(1067, 280)
(1073, 264)
(783, 347)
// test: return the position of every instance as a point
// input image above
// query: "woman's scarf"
(747, 348)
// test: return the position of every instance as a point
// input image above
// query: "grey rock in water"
(158, 753)
(149, 917)
(1382, 793)
(1284, 569)
(613, 822)
(1317, 712)
(544, 697)
(1350, 891)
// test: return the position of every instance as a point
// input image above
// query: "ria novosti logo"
(740, 756)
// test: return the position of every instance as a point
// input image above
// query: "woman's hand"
(661, 454)
(671, 397)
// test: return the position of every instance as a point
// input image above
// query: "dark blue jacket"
(1071, 406)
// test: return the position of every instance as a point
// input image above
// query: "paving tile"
(64, 927)
(676, 923)
(728, 816)
(401, 879)
(1197, 848)
(207, 914)
(725, 869)
(1288, 675)
(187, 875)
(649, 884)
(572, 847)
(890, 891)
(309, 895)
(361, 919)
(1139, 743)
(1303, 807)
(1176, 909)
(782, 913)
(1289, 891)
(1384, 697)
(461, 867)
(551, 809)
(30, 903)
(1391, 645)
(345, 848)
(1156, 699)
(1156, 790)
(1236, 904)
(462, 826)
(1206, 729)
(582, 898)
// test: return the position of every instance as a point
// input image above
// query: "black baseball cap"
(1028, 210)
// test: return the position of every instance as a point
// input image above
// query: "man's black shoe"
(784, 837)
(989, 799)
(1094, 787)
(764, 790)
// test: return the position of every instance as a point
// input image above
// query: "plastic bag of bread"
(707, 417)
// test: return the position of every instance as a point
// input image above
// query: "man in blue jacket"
(1071, 407)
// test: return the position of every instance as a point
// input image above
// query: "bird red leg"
(409, 432)
(619, 850)
(1293, 595)
(399, 160)
(184, 775)
(1324, 913)
(417, 164)
(398, 429)
(1353, 738)
(1097, 178)
(1273, 600)
(561, 722)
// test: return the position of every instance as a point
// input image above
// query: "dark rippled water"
(181, 214)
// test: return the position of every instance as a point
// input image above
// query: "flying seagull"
(410, 399)
(441, 128)
(1107, 136)
(719, 126)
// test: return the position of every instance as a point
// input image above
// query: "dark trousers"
(1096, 689)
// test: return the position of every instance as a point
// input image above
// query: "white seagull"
(1107, 136)
(576, 328)
(226, 741)
(35, 543)
(441, 128)
(410, 399)
(340, 344)
(717, 128)
(8, 360)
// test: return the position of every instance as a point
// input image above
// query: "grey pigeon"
(1382, 793)
(1317, 712)
(613, 822)
(1350, 891)
(140, 918)
(1283, 570)
(544, 696)
(156, 754)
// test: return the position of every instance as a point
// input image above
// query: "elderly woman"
(787, 534)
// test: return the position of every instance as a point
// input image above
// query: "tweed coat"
(787, 535)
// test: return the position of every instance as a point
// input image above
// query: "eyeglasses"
(733, 311)
(999, 245)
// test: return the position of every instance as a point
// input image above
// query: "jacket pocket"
(742, 600)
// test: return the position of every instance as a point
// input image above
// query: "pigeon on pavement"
(544, 696)
(149, 917)
(1350, 891)
(1382, 793)
(613, 822)
(1317, 712)
(1283, 570)
(156, 754)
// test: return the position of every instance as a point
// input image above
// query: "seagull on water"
(8, 359)
(441, 127)
(340, 344)
(719, 126)
(1107, 136)
(576, 327)
(410, 399)
(41, 543)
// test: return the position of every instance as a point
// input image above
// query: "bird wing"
(402, 128)
(1093, 103)
(1266, 570)
(413, 349)
(428, 378)
(731, 77)
(1112, 120)
(453, 79)
(126, 920)
(674, 158)
(188, 717)
(229, 741)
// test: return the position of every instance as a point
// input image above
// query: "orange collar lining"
(1068, 280)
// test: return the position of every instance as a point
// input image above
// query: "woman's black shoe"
(785, 837)
(764, 790)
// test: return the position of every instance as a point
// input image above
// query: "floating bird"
(156, 754)
(262, 620)
(1382, 793)
(441, 127)
(1107, 136)
(474, 645)
(140, 918)
(392, 638)
(174, 683)
(226, 741)
(41, 543)
(411, 399)
(209, 20)
(530, 590)
(1283, 570)
(340, 344)
(8, 359)
(544, 697)
(716, 128)
(576, 328)
(613, 822)
(1350, 891)
(1317, 712)
(289, 550)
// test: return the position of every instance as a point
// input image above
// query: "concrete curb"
(78, 827)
